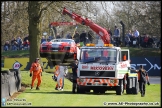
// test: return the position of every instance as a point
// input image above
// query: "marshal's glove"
(30, 74)
(55, 78)
(148, 83)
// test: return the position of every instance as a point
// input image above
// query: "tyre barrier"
(10, 82)
(5, 84)
(17, 76)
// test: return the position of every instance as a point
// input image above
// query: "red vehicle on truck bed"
(59, 51)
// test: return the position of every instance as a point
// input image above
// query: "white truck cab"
(102, 68)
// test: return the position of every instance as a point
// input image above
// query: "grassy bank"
(133, 52)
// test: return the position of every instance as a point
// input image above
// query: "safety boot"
(37, 88)
(31, 88)
(56, 88)
(60, 89)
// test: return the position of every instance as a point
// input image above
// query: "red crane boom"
(96, 28)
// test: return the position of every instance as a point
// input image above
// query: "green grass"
(3, 69)
(47, 96)
(19, 53)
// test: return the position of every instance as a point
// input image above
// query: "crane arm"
(96, 28)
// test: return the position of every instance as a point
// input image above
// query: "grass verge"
(47, 96)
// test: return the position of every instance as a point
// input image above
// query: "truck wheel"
(128, 91)
(120, 88)
(87, 90)
(80, 90)
(102, 91)
(95, 91)
(136, 88)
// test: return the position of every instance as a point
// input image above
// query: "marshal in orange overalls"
(60, 73)
(36, 72)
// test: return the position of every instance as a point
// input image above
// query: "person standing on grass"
(36, 73)
(61, 72)
(142, 79)
(74, 70)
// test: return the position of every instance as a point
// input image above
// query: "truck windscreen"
(94, 55)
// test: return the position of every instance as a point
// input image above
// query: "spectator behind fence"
(136, 33)
(43, 39)
(145, 41)
(26, 38)
(129, 34)
(16, 46)
(58, 36)
(141, 41)
(68, 36)
(117, 36)
(6, 46)
(12, 43)
(76, 37)
(20, 43)
(109, 31)
(49, 38)
(127, 40)
(150, 42)
(83, 37)
(134, 41)
(110, 34)
(26, 45)
(91, 36)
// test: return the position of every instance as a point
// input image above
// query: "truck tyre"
(87, 90)
(128, 90)
(95, 91)
(102, 91)
(136, 88)
(120, 88)
(80, 89)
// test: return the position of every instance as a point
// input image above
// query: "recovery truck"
(101, 67)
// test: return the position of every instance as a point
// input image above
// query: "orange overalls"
(60, 72)
(36, 73)
(56, 73)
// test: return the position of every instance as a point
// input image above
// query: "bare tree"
(143, 15)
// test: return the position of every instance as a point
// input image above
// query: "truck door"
(124, 55)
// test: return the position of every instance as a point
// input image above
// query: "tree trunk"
(34, 29)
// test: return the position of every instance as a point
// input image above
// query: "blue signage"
(151, 64)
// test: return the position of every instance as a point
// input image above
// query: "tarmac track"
(155, 80)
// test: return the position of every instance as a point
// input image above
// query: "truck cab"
(103, 68)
